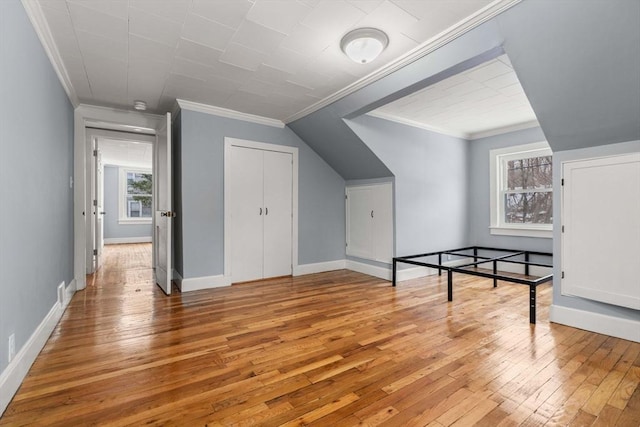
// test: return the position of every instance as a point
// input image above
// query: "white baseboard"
(414, 273)
(319, 267)
(371, 270)
(199, 283)
(66, 293)
(13, 375)
(519, 269)
(417, 272)
(119, 240)
(600, 323)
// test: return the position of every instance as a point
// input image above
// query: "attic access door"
(601, 223)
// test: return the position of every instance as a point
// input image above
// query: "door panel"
(359, 222)
(163, 210)
(247, 214)
(278, 170)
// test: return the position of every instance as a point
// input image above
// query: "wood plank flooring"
(330, 349)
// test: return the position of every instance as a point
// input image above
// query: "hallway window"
(135, 196)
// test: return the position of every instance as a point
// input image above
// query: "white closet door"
(360, 222)
(278, 174)
(247, 213)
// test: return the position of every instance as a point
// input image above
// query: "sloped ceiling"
(578, 62)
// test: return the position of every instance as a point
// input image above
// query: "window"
(135, 196)
(522, 190)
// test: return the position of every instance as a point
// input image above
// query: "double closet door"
(261, 213)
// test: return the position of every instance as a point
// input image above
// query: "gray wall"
(479, 192)
(36, 163)
(431, 183)
(111, 227)
(576, 302)
(578, 62)
(321, 216)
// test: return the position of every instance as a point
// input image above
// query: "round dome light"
(364, 44)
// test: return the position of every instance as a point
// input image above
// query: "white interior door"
(278, 169)
(163, 209)
(99, 223)
(360, 222)
(247, 214)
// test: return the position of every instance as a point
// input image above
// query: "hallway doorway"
(124, 265)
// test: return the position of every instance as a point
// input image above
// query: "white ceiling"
(131, 154)
(471, 104)
(272, 58)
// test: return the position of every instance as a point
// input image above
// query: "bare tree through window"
(528, 193)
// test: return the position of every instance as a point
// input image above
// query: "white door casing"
(163, 207)
(229, 229)
(86, 119)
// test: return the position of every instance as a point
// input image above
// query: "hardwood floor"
(330, 349)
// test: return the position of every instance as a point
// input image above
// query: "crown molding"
(225, 112)
(39, 22)
(486, 13)
(415, 124)
(504, 129)
(464, 135)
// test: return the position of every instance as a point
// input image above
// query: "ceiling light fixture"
(364, 44)
(140, 105)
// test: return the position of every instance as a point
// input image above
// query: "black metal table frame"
(478, 260)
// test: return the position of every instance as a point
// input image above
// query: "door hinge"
(346, 244)
(95, 152)
(95, 202)
(562, 181)
(346, 197)
(562, 275)
(95, 252)
(563, 228)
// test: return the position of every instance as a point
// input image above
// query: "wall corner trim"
(13, 375)
(600, 323)
(41, 27)
(231, 114)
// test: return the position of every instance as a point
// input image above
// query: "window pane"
(139, 183)
(528, 208)
(139, 206)
(529, 174)
(133, 208)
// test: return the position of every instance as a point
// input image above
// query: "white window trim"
(122, 191)
(497, 226)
